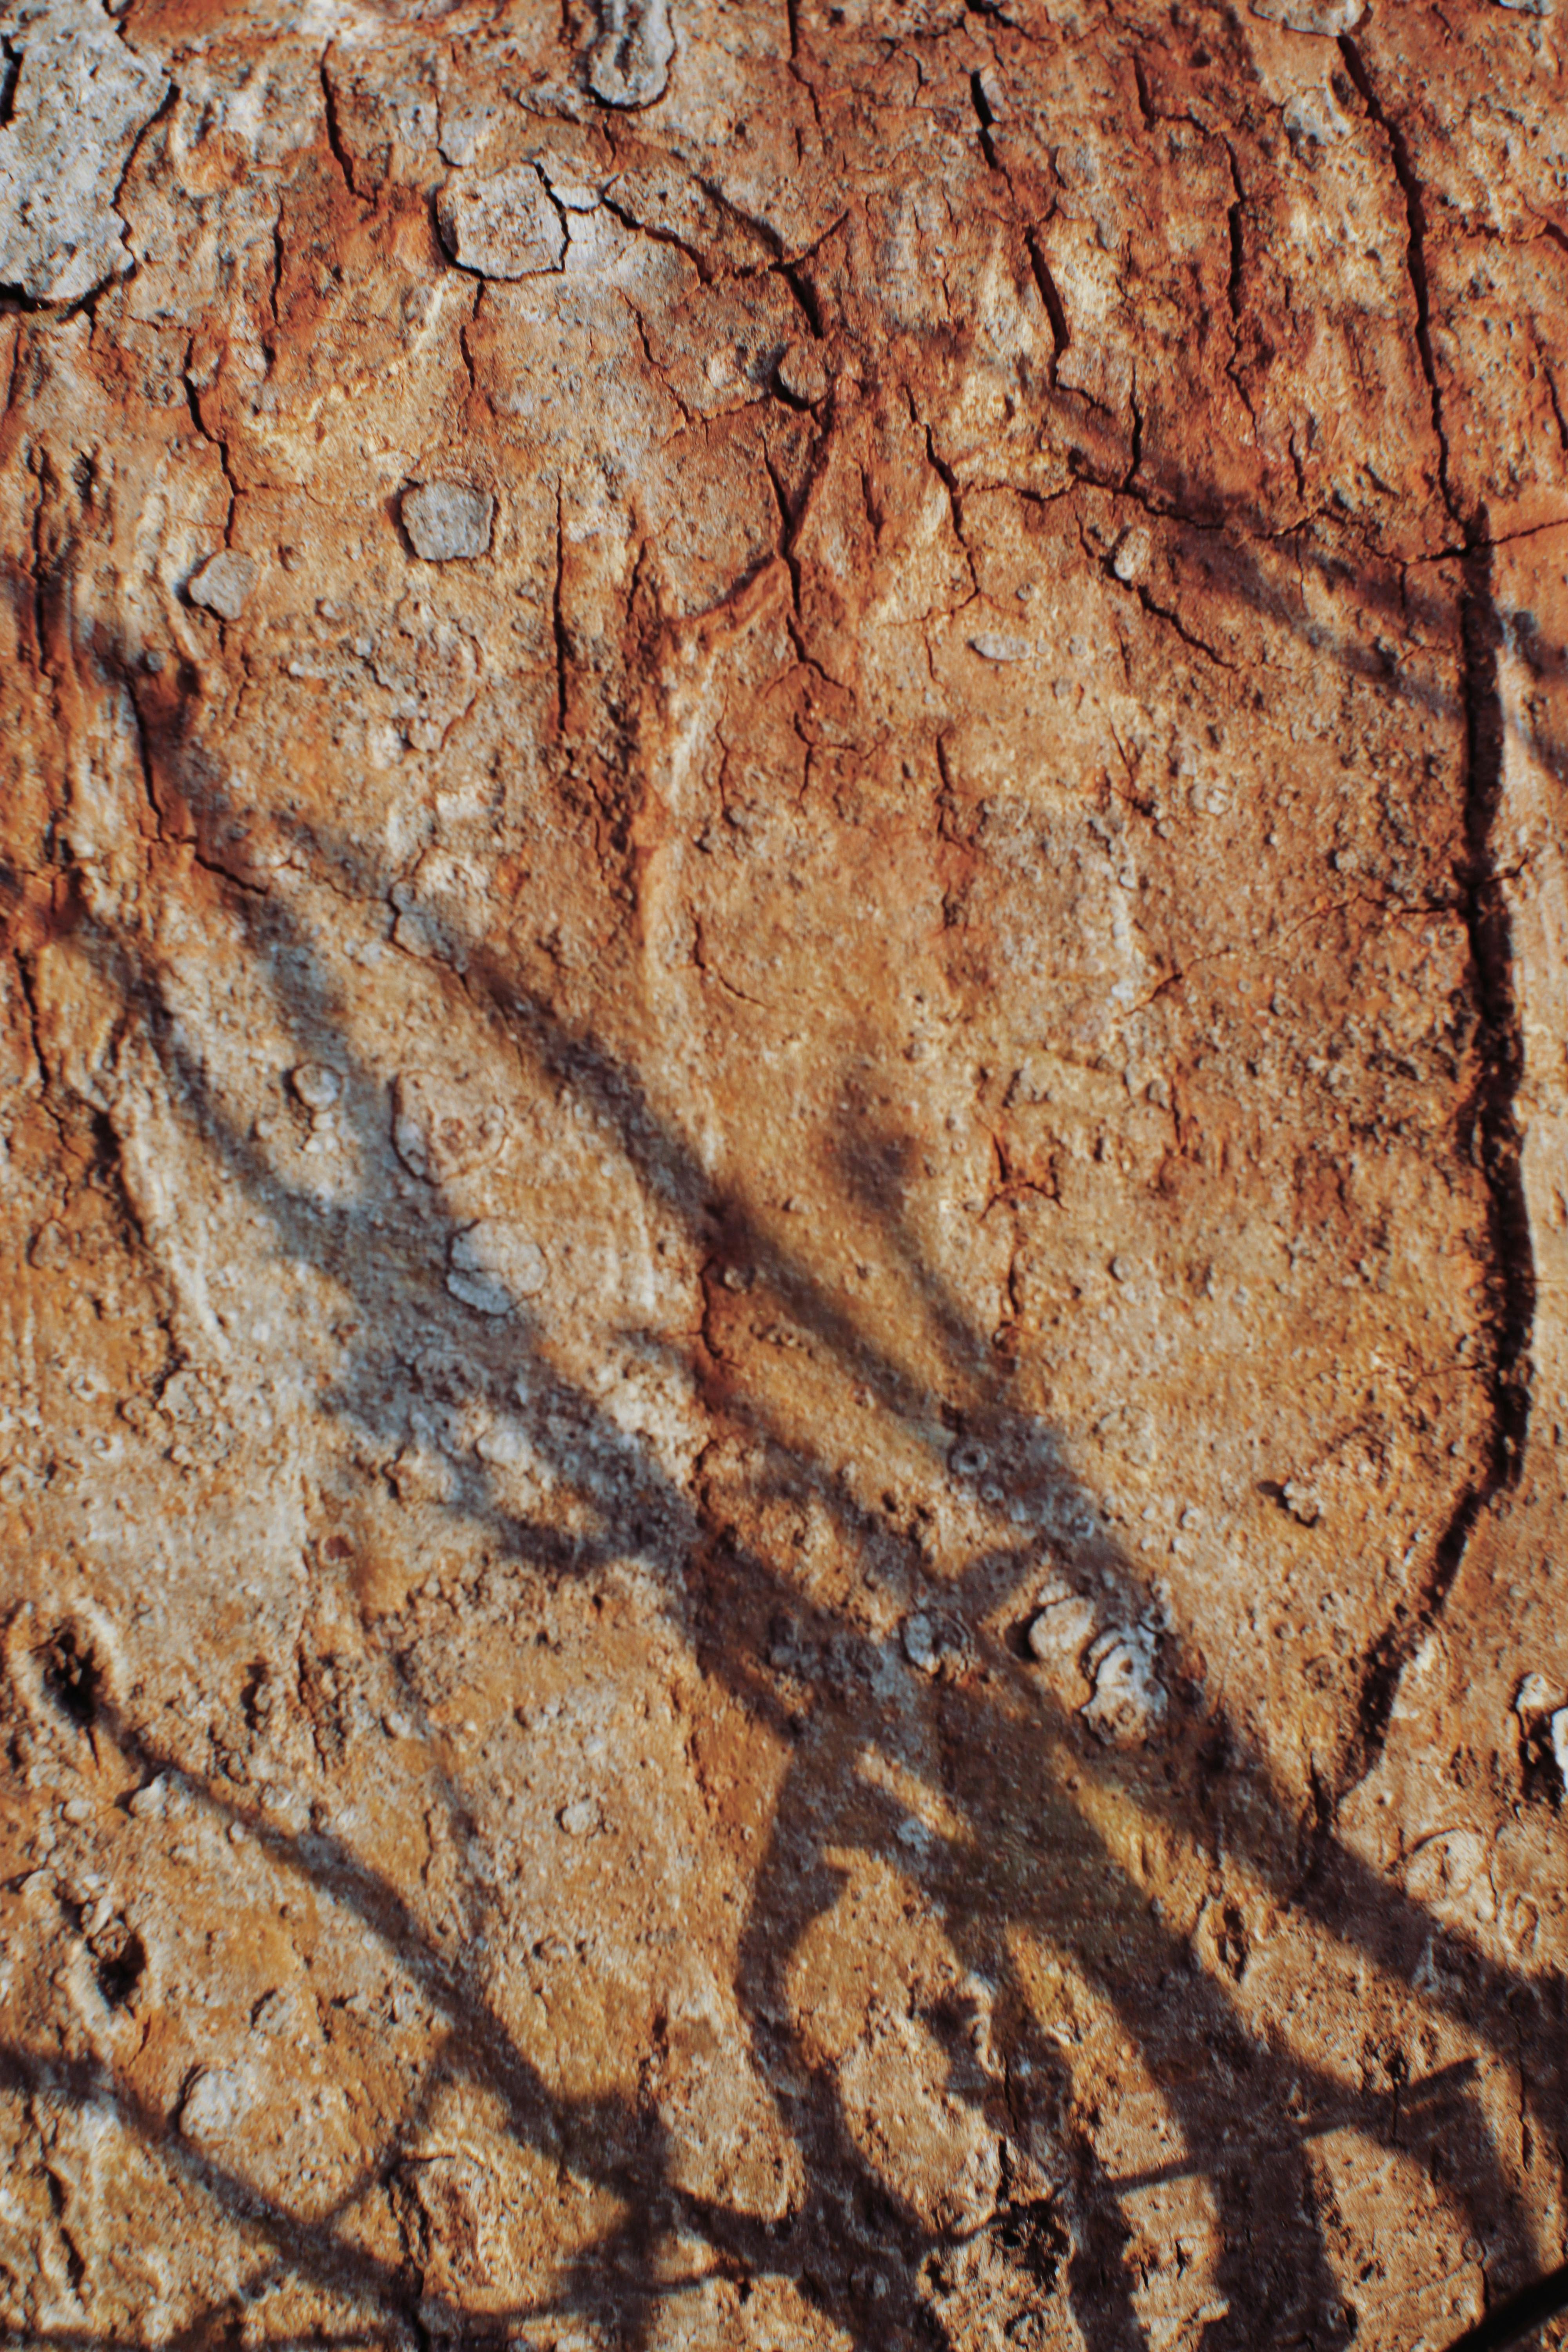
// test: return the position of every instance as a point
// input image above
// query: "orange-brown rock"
(784, 1100)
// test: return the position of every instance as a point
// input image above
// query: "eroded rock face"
(781, 1066)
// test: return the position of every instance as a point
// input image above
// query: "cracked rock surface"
(783, 1129)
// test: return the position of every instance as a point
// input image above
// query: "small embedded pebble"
(1131, 561)
(493, 1264)
(1061, 1632)
(802, 374)
(316, 1086)
(216, 2099)
(579, 1817)
(78, 1810)
(449, 522)
(223, 583)
(992, 646)
(934, 1645)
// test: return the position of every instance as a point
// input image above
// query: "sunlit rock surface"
(782, 1067)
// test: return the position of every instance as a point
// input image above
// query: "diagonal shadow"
(833, 2155)
(635, 1495)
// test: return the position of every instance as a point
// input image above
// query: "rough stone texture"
(77, 100)
(445, 520)
(783, 1424)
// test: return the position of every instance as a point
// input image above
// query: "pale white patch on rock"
(82, 98)
(224, 582)
(503, 226)
(1328, 17)
(1535, 1698)
(449, 521)
(493, 1264)
(1315, 116)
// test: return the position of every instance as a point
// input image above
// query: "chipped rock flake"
(992, 646)
(447, 521)
(502, 226)
(493, 1264)
(1062, 1630)
(80, 100)
(224, 582)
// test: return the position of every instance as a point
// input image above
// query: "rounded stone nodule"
(448, 522)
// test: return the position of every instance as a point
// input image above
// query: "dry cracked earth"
(783, 1101)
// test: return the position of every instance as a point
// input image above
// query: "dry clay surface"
(782, 1067)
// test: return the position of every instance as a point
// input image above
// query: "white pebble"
(579, 1817)
(1536, 1696)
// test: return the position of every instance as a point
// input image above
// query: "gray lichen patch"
(81, 99)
